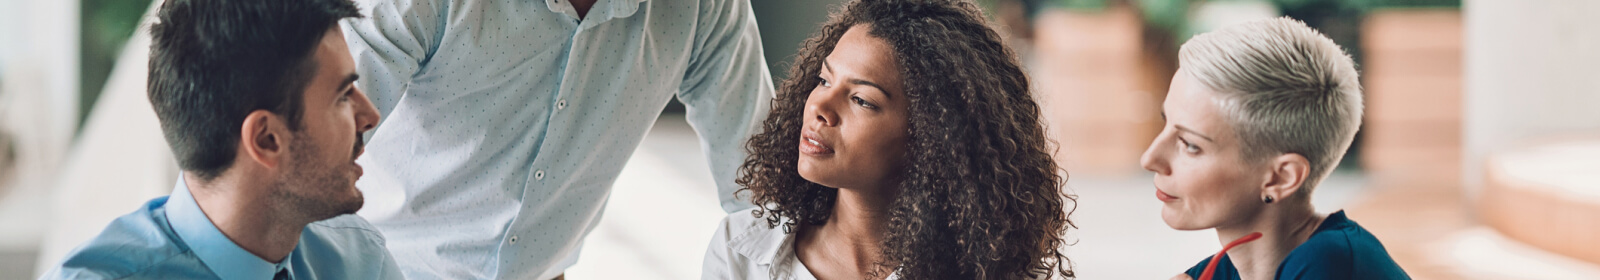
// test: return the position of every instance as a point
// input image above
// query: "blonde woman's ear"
(1289, 172)
(1182, 276)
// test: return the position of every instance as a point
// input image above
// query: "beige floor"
(1428, 228)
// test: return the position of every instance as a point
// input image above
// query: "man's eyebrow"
(1191, 131)
(348, 82)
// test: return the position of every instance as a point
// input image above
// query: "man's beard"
(311, 189)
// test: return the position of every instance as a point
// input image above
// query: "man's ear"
(262, 138)
(1288, 173)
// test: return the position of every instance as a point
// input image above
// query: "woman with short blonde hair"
(1257, 115)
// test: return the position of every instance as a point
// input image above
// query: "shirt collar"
(766, 245)
(624, 8)
(1333, 221)
(762, 243)
(616, 8)
(216, 251)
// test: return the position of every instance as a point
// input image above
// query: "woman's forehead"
(860, 55)
(1195, 107)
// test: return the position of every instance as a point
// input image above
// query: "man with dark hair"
(257, 99)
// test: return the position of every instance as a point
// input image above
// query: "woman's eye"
(1188, 147)
(825, 82)
(863, 102)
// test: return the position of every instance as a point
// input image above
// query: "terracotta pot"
(1412, 80)
(1098, 87)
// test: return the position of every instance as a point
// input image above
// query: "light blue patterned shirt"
(170, 238)
(506, 122)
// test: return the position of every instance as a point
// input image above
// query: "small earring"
(1268, 200)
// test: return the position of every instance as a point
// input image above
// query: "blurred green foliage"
(1081, 4)
(988, 7)
(1375, 4)
(1173, 15)
(1368, 5)
(1361, 4)
(107, 25)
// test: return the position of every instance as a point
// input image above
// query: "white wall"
(1532, 71)
(38, 106)
(119, 161)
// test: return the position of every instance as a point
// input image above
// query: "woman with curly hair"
(906, 145)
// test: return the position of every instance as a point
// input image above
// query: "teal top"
(1338, 249)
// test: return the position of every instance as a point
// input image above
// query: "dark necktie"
(283, 274)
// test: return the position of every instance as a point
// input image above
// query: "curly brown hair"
(981, 196)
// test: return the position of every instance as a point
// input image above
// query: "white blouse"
(745, 248)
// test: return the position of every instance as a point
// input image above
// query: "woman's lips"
(811, 146)
(1164, 197)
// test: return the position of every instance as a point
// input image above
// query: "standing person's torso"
(498, 155)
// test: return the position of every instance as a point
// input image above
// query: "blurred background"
(1479, 157)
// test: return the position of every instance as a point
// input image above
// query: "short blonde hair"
(1285, 87)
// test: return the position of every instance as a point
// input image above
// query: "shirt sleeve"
(390, 45)
(726, 90)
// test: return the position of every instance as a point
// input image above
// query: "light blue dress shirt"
(506, 122)
(170, 238)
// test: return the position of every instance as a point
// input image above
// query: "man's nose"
(367, 115)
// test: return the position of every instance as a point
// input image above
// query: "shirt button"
(513, 239)
(538, 175)
(561, 104)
